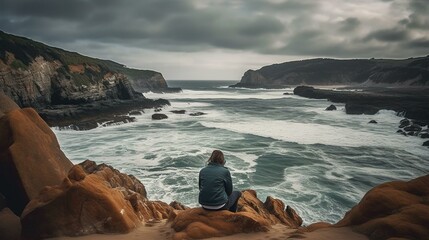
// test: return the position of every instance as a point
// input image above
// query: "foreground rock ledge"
(97, 199)
(393, 210)
(252, 216)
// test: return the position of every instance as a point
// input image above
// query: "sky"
(221, 39)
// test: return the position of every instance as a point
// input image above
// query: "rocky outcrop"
(178, 111)
(92, 115)
(196, 114)
(253, 79)
(30, 155)
(411, 102)
(159, 116)
(392, 210)
(54, 198)
(92, 199)
(42, 77)
(149, 81)
(367, 72)
(252, 216)
(331, 107)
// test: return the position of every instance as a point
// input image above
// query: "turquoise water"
(319, 162)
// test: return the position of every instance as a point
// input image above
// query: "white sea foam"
(199, 94)
(312, 133)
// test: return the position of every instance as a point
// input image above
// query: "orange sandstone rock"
(392, 210)
(30, 156)
(95, 199)
(253, 216)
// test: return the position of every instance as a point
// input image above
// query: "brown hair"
(217, 157)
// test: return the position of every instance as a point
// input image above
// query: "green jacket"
(215, 185)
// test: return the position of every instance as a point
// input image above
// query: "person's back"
(215, 185)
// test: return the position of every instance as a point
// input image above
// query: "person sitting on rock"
(215, 185)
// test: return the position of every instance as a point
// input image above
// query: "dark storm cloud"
(349, 24)
(422, 43)
(304, 28)
(281, 6)
(388, 35)
(419, 19)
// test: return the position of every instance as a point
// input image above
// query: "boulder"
(30, 156)
(92, 199)
(159, 116)
(420, 123)
(424, 135)
(392, 210)
(401, 132)
(426, 144)
(135, 112)
(252, 216)
(178, 111)
(405, 122)
(373, 121)
(331, 108)
(197, 114)
(413, 128)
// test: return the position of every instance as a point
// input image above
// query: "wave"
(313, 133)
(230, 94)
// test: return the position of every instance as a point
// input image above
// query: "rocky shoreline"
(411, 103)
(91, 115)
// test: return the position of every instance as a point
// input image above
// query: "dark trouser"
(231, 205)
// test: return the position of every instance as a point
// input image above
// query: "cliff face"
(37, 75)
(407, 72)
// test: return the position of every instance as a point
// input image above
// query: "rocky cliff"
(367, 72)
(36, 75)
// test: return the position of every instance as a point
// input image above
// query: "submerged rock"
(331, 108)
(424, 135)
(373, 121)
(405, 121)
(159, 116)
(414, 128)
(197, 114)
(426, 144)
(135, 112)
(178, 111)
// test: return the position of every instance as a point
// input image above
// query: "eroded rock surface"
(393, 210)
(92, 199)
(30, 155)
(252, 216)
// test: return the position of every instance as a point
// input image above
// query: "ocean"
(319, 162)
